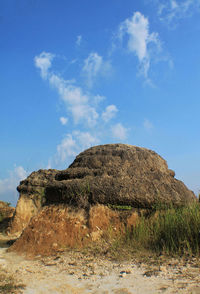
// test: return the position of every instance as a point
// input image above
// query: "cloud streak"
(109, 113)
(95, 65)
(78, 40)
(76, 101)
(172, 10)
(81, 106)
(139, 40)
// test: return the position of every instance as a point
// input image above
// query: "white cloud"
(119, 131)
(84, 112)
(76, 101)
(82, 107)
(78, 40)
(98, 98)
(147, 125)
(85, 139)
(136, 29)
(66, 148)
(109, 112)
(74, 143)
(173, 10)
(44, 62)
(63, 120)
(8, 185)
(93, 66)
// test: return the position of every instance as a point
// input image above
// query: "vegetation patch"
(120, 207)
(8, 284)
(173, 231)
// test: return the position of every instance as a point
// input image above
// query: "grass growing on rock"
(173, 231)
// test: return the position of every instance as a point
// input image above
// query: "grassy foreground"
(173, 231)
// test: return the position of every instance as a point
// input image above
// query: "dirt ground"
(76, 272)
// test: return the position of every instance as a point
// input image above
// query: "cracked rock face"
(115, 174)
(118, 174)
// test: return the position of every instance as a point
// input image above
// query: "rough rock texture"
(6, 213)
(58, 227)
(32, 198)
(118, 174)
(115, 174)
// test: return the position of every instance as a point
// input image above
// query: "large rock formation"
(118, 174)
(114, 174)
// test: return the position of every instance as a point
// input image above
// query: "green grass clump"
(120, 207)
(170, 231)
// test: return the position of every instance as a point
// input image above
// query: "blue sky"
(79, 73)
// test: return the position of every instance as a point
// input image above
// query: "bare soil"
(81, 271)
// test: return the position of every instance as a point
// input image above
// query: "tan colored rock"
(57, 227)
(32, 198)
(6, 213)
(25, 209)
(52, 229)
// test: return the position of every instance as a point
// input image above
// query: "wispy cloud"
(63, 120)
(72, 144)
(147, 124)
(95, 65)
(66, 148)
(44, 62)
(109, 113)
(82, 107)
(85, 139)
(76, 101)
(170, 11)
(78, 40)
(119, 132)
(139, 40)
(8, 185)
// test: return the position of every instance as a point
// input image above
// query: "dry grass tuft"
(8, 285)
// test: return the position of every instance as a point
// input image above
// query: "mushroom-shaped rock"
(118, 174)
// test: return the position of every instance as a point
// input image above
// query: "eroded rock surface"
(57, 227)
(32, 198)
(118, 174)
(6, 213)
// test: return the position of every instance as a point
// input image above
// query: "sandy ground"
(75, 272)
